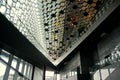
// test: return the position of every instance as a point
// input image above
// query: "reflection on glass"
(58, 76)
(31, 69)
(63, 76)
(27, 74)
(2, 70)
(4, 56)
(69, 74)
(25, 69)
(112, 69)
(11, 74)
(14, 63)
(104, 73)
(96, 75)
(20, 67)
(49, 75)
(19, 77)
(5, 52)
(73, 73)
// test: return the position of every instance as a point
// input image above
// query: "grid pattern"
(53, 19)
(24, 14)
(113, 58)
(16, 68)
(52, 26)
(65, 20)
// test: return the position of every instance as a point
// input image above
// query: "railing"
(113, 58)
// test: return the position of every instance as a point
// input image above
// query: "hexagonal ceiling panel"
(52, 26)
(64, 20)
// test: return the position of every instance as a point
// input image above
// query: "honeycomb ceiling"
(64, 20)
(52, 26)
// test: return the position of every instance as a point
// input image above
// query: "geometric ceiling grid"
(64, 20)
(52, 26)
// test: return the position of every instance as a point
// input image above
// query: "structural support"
(100, 74)
(78, 73)
(44, 70)
(26, 70)
(8, 68)
(33, 71)
(55, 75)
(17, 68)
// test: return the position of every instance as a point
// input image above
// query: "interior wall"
(71, 78)
(72, 64)
(107, 45)
(115, 75)
(38, 74)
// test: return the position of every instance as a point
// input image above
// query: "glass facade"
(49, 75)
(53, 27)
(69, 75)
(2, 69)
(96, 75)
(102, 74)
(13, 68)
(106, 66)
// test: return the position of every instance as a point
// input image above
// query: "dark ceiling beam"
(12, 40)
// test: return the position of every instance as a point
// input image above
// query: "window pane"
(2, 70)
(49, 75)
(25, 69)
(5, 51)
(58, 76)
(14, 63)
(11, 74)
(73, 73)
(28, 71)
(96, 75)
(69, 74)
(31, 69)
(20, 67)
(4, 56)
(112, 69)
(19, 77)
(104, 73)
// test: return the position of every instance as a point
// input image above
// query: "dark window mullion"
(8, 68)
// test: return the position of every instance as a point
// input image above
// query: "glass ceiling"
(52, 26)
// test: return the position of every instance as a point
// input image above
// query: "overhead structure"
(52, 26)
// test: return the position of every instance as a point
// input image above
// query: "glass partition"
(17, 69)
(105, 67)
(2, 69)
